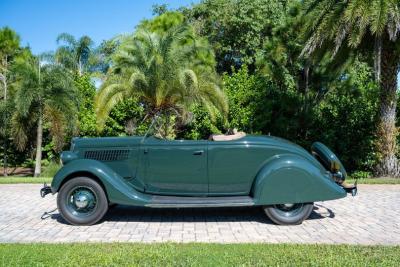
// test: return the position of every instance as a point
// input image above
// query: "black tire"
(77, 192)
(289, 215)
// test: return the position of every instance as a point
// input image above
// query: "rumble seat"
(223, 137)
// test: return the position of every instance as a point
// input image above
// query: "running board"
(199, 202)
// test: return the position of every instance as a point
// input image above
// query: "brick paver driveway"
(373, 217)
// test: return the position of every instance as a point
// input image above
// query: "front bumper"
(45, 190)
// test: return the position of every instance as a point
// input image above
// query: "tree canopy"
(363, 27)
(157, 69)
(302, 70)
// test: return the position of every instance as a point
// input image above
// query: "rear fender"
(117, 190)
(293, 179)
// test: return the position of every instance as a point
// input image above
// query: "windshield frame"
(151, 127)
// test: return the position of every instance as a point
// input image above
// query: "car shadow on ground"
(321, 212)
(121, 213)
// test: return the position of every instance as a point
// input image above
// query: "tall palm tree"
(45, 94)
(369, 27)
(9, 46)
(158, 69)
(72, 53)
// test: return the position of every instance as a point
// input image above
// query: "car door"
(232, 166)
(175, 167)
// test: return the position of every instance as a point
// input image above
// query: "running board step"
(199, 202)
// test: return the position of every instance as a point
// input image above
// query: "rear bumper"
(351, 190)
(340, 180)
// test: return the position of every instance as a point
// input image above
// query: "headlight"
(67, 156)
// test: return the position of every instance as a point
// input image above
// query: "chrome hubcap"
(82, 201)
(288, 206)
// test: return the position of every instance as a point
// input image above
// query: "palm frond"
(21, 126)
(66, 38)
(158, 68)
(329, 21)
(57, 120)
(108, 96)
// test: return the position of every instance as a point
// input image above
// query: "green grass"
(25, 180)
(375, 181)
(196, 254)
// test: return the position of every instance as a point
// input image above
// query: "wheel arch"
(116, 188)
(291, 178)
(84, 174)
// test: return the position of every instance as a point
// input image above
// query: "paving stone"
(370, 218)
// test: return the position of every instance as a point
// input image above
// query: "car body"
(147, 171)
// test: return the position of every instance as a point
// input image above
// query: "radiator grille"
(107, 155)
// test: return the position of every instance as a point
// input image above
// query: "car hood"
(105, 142)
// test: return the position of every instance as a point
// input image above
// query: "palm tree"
(372, 27)
(158, 69)
(45, 94)
(9, 46)
(74, 54)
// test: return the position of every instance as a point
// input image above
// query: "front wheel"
(289, 214)
(82, 201)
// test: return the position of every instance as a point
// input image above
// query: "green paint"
(132, 170)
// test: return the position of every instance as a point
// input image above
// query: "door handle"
(198, 152)
(145, 151)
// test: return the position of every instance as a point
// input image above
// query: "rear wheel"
(289, 214)
(82, 201)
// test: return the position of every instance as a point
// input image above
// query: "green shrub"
(51, 169)
(346, 119)
(361, 175)
(201, 126)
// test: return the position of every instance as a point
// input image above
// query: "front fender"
(117, 189)
(293, 179)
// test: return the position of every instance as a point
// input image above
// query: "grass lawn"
(41, 180)
(196, 254)
(375, 181)
(25, 180)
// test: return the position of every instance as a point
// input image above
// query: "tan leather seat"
(230, 137)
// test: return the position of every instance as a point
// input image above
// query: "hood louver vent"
(107, 155)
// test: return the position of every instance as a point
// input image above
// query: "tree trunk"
(378, 58)
(4, 78)
(5, 167)
(303, 114)
(39, 135)
(387, 132)
(80, 66)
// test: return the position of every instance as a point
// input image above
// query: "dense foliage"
(370, 28)
(270, 61)
(238, 29)
(161, 70)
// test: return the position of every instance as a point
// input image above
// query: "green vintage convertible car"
(224, 171)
